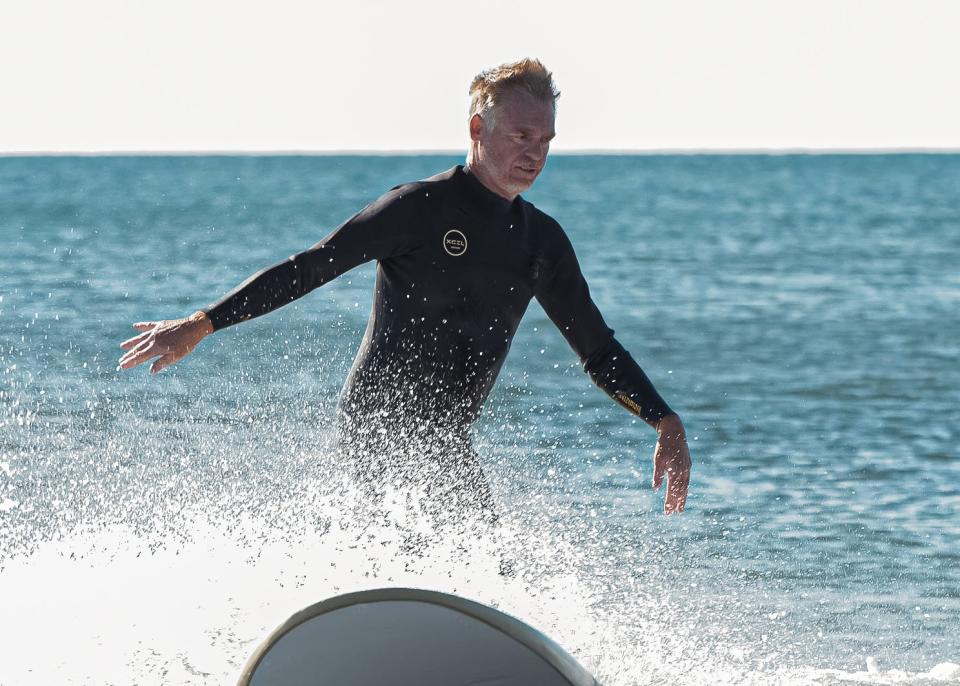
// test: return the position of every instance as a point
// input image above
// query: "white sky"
(126, 75)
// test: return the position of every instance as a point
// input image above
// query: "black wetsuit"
(457, 266)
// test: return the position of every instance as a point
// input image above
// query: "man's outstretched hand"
(671, 458)
(170, 340)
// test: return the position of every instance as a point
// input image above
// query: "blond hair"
(489, 86)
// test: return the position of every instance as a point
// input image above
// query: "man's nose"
(538, 151)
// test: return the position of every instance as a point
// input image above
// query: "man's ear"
(476, 127)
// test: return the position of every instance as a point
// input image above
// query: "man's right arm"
(380, 230)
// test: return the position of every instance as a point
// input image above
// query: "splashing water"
(111, 606)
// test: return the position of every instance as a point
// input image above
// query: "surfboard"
(409, 637)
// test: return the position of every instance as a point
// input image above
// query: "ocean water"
(800, 312)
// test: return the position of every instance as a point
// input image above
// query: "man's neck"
(481, 175)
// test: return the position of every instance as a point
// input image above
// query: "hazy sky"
(96, 75)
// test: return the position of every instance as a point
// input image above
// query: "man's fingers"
(135, 350)
(670, 497)
(164, 361)
(136, 340)
(677, 487)
(658, 467)
(141, 353)
(676, 493)
(146, 328)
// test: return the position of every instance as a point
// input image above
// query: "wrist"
(202, 321)
(671, 424)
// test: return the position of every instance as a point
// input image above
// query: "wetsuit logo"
(454, 242)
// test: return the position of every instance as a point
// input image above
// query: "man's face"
(512, 153)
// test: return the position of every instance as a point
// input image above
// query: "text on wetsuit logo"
(454, 242)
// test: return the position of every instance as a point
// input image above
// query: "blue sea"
(801, 312)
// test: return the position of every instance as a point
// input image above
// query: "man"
(459, 257)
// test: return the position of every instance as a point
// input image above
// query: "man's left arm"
(565, 298)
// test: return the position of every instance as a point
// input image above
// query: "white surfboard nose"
(409, 637)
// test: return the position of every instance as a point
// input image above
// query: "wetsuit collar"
(482, 197)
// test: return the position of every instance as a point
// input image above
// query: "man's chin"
(520, 184)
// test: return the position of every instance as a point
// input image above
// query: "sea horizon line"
(611, 152)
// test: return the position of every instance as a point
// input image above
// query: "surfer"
(459, 257)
